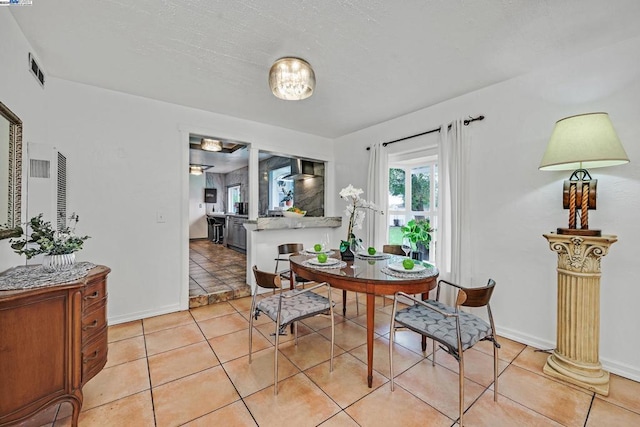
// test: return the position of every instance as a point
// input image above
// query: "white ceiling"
(374, 59)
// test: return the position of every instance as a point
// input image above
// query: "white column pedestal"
(576, 357)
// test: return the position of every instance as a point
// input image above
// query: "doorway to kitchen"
(217, 260)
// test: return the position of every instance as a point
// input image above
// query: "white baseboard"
(613, 366)
(143, 314)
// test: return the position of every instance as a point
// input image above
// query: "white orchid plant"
(355, 210)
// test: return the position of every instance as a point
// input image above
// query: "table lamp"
(581, 142)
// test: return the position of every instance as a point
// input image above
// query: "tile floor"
(191, 368)
(215, 273)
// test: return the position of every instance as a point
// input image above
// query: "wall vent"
(61, 203)
(36, 70)
(39, 168)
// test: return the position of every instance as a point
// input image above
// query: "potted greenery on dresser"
(419, 233)
(58, 246)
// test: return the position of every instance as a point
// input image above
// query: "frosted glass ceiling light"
(195, 170)
(292, 79)
(580, 142)
(210, 144)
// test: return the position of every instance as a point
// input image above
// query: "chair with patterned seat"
(285, 250)
(287, 307)
(455, 330)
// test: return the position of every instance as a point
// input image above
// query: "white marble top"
(280, 223)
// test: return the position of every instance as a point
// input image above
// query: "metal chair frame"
(467, 297)
(272, 281)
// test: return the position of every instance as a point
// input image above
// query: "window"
(413, 191)
(280, 189)
(233, 197)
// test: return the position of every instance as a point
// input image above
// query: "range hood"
(301, 169)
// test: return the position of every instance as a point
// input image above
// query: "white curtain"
(453, 153)
(377, 192)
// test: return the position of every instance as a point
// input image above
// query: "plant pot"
(423, 251)
(62, 262)
(347, 255)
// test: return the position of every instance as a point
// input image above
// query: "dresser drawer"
(94, 356)
(94, 322)
(94, 293)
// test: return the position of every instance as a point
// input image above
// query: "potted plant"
(419, 233)
(58, 246)
(288, 198)
(355, 210)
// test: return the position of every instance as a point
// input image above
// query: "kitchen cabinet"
(236, 234)
(53, 340)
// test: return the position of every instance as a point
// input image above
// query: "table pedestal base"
(586, 375)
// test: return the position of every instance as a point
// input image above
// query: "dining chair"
(287, 308)
(285, 250)
(455, 330)
(393, 250)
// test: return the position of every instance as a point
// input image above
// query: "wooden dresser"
(52, 341)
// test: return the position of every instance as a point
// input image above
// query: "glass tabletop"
(388, 269)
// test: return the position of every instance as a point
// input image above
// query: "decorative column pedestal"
(576, 357)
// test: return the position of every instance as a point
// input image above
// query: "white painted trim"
(139, 315)
(184, 220)
(613, 366)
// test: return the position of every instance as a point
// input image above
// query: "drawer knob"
(94, 295)
(89, 358)
(90, 325)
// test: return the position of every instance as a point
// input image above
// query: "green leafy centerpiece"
(59, 246)
(419, 233)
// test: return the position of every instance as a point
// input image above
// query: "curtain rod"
(466, 123)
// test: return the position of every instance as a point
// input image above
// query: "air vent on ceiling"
(36, 70)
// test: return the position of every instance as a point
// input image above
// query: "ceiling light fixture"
(208, 144)
(292, 79)
(195, 170)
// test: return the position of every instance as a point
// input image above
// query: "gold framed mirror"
(11, 176)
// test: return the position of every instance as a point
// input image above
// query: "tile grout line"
(225, 372)
(146, 355)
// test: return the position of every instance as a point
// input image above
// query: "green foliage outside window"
(420, 188)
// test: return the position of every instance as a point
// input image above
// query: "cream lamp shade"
(195, 170)
(583, 141)
(210, 144)
(292, 79)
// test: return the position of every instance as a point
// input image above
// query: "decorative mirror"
(11, 176)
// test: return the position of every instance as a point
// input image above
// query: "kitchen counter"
(265, 234)
(282, 223)
(224, 215)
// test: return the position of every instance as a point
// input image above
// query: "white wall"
(197, 207)
(23, 95)
(512, 203)
(127, 160)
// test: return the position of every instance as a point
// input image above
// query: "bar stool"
(216, 225)
(217, 231)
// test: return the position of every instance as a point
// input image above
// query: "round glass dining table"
(371, 276)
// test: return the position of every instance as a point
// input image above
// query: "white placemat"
(376, 257)
(307, 252)
(340, 264)
(29, 277)
(427, 272)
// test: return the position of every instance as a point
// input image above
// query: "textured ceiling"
(374, 59)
